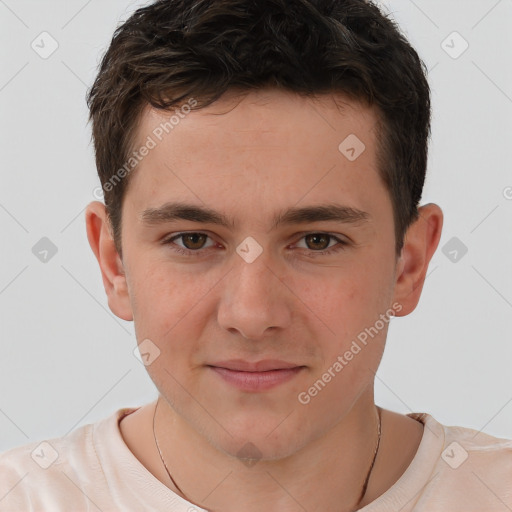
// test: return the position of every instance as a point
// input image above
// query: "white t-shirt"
(92, 469)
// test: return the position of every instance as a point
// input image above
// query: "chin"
(260, 440)
(250, 450)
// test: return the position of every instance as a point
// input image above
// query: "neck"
(329, 473)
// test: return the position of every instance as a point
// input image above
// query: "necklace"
(162, 457)
(365, 485)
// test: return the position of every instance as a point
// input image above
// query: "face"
(272, 274)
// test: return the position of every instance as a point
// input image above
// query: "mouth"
(257, 376)
(265, 365)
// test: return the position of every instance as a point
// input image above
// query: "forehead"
(263, 114)
(263, 146)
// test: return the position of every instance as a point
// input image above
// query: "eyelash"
(198, 252)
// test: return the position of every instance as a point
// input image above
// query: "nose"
(254, 301)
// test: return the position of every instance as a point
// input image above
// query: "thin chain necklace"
(363, 491)
(162, 457)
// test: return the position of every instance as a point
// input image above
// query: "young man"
(262, 164)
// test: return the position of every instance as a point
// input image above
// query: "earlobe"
(420, 244)
(111, 265)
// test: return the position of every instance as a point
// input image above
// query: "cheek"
(170, 314)
(347, 303)
(341, 300)
(165, 299)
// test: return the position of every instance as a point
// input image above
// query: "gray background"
(66, 360)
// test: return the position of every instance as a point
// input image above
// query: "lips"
(260, 366)
(258, 376)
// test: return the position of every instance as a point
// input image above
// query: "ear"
(111, 265)
(420, 243)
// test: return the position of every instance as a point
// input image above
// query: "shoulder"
(29, 469)
(476, 448)
(483, 456)
(473, 469)
(45, 475)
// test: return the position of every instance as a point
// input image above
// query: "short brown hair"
(174, 50)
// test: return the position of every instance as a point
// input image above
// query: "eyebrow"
(170, 212)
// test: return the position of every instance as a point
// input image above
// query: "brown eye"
(317, 241)
(190, 244)
(193, 241)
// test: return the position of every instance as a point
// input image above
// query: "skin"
(249, 157)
